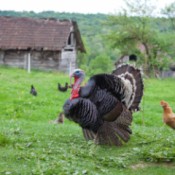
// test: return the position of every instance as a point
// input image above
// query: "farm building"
(34, 43)
(131, 59)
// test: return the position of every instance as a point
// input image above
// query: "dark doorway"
(132, 57)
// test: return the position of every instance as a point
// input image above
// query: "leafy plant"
(100, 64)
(4, 140)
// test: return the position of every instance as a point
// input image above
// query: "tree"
(169, 11)
(133, 34)
(100, 64)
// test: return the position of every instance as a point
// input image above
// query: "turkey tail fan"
(117, 132)
(88, 134)
(132, 78)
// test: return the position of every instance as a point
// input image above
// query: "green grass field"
(31, 145)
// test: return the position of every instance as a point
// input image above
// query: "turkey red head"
(78, 76)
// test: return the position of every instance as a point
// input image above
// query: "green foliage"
(100, 64)
(3, 140)
(169, 11)
(132, 33)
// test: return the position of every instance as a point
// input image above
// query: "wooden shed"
(39, 43)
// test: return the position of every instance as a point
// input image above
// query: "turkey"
(104, 106)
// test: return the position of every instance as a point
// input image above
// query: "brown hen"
(168, 115)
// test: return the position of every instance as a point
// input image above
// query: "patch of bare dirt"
(142, 165)
(139, 165)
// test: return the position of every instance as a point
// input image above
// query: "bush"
(101, 64)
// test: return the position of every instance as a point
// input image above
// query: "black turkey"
(104, 106)
(33, 91)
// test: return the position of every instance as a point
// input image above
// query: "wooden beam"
(70, 67)
(29, 63)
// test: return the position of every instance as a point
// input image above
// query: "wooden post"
(2, 57)
(70, 67)
(28, 63)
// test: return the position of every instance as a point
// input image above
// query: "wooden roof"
(37, 34)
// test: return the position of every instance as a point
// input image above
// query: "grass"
(30, 144)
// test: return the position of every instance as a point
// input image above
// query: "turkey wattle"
(104, 106)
